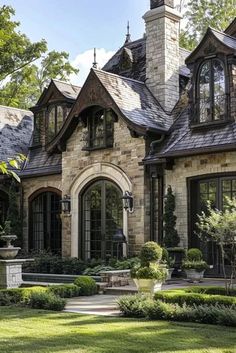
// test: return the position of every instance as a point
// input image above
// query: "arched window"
(211, 91)
(45, 222)
(56, 117)
(100, 124)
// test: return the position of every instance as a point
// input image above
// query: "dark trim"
(160, 208)
(43, 190)
(40, 174)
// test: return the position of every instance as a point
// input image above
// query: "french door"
(45, 222)
(102, 216)
(215, 190)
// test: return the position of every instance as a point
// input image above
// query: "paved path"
(101, 304)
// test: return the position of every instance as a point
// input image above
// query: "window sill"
(208, 125)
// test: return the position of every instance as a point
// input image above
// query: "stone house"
(155, 115)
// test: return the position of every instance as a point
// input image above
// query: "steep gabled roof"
(135, 101)
(210, 43)
(67, 90)
(16, 126)
(231, 29)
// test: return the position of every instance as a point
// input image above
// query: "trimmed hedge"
(181, 297)
(46, 301)
(143, 306)
(65, 290)
(210, 290)
(18, 295)
(87, 285)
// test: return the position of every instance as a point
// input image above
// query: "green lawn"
(25, 331)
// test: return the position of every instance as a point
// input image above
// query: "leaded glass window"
(56, 117)
(212, 95)
(100, 124)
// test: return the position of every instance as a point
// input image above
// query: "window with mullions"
(100, 124)
(55, 121)
(211, 91)
(38, 120)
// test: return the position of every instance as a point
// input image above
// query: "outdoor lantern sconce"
(128, 201)
(66, 204)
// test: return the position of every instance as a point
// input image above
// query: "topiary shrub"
(158, 273)
(150, 252)
(171, 237)
(46, 301)
(194, 254)
(87, 285)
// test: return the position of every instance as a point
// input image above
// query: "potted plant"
(194, 266)
(149, 275)
(168, 262)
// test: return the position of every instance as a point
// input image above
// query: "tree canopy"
(201, 14)
(23, 79)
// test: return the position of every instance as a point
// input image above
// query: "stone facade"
(122, 160)
(162, 55)
(196, 166)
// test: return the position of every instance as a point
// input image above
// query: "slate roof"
(225, 38)
(184, 141)
(136, 50)
(40, 162)
(68, 90)
(135, 101)
(16, 126)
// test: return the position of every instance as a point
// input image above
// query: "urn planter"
(150, 286)
(194, 276)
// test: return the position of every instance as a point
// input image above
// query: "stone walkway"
(105, 305)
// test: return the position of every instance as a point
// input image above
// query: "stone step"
(120, 290)
(52, 278)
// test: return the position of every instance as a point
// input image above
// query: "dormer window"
(38, 120)
(55, 121)
(100, 128)
(211, 91)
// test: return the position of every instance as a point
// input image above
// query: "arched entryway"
(45, 221)
(101, 218)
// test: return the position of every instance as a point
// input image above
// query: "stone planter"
(150, 286)
(169, 274)
(194, 276)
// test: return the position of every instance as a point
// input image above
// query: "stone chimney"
(162, 52)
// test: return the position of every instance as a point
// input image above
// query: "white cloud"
(84, 63)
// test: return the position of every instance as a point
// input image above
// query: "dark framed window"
(100, 125)
(55, 119)
(211, 91)
(101, 218)
(45, 222)
(38, 121)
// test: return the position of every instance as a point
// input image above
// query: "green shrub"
(18, 295)
(134, 305)
(95, 271)
(87, 285)
(210, 290)
(158, 273)
(194, 255)
(142, 306)
(65, 290)
(199, 266)
(46, 301)
(182, 297)
(150, 252)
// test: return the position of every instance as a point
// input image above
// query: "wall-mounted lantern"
(66, 204)
(128, 201)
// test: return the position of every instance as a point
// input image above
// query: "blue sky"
(77, 26)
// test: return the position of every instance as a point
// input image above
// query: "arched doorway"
(45, 221)
(101, 217)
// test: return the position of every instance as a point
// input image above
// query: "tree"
(171, 237)
(201, 14)
(17, 58)
(220, 226)
(16, 50)
(8, 167)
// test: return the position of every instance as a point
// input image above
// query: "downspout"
(153, 175)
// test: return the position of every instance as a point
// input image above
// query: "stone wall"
(30, 186)
(124, 159)
(190, 167)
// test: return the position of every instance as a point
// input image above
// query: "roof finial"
(128, 35)
(95, 64)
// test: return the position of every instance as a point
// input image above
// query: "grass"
(24, 331)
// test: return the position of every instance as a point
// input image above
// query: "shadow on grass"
(40, 331)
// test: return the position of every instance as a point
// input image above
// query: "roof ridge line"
(122, 77)
(9, 107)
(67, 83)
(223, 33)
